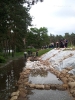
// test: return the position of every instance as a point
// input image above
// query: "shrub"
(2, 59)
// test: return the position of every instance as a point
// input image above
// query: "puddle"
(49, 95)
(43, 77)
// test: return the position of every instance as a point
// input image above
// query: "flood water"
(43, 77)
(49, 95)
(9, 75)
(46, 77)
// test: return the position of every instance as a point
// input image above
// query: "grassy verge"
(21, 54)
(43, 51)
(8, 58)
(40, 52)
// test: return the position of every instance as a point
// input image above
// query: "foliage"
(32, 2)
(37, 37)
(31, 49)
(69, 37)
(14, 22)
(2, 59)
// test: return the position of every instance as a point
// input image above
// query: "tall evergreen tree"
(14, 21)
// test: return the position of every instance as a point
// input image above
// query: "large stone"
(72, 91)
(22, 94)
(73, 77)
(27, 71)
(65, 86)
(64, 71)
(20, 86)
(20, 81)
(71, 85)
(32, 85)
(70, 79)
(15, 93)
(26, 83)
(53, 86)
(60, 87)
(23, 90)
(58, 75)
(25, 80)
(47, 87)
(39, 86)
(69, 68)
(22, 98)
(64, 80)
(61, 75)
(14, 98)
(67, 76)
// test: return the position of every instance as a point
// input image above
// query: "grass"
(31, 49)
(43, 51)
(40, 52)
(21, 54)
(9, 57)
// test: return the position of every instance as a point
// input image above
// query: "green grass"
(21, 54)
(43, 51)
(32, 50)
(9, 57)
(40, 52)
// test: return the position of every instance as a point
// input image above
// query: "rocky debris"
(68, 68)
(47, 87)
(22, 94)
(65, 86)
(71, 85)
(14, 98)
(39, 86)
(45, 62)
(33, 58)
(15, 95)
(70, 79)
(31, 85)
(43, 66)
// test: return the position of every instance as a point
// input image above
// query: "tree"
(14, 21)
(38, 37)
(32, 2)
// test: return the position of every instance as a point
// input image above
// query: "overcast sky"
(57, 15)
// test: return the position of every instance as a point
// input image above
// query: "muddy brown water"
(9, 75)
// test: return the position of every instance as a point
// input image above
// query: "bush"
(2, 59)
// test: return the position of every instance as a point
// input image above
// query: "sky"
(58, 16)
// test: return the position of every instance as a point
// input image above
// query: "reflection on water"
(49, 95)
(9, 75)
(43, 77)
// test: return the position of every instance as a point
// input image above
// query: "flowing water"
(9, 75)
